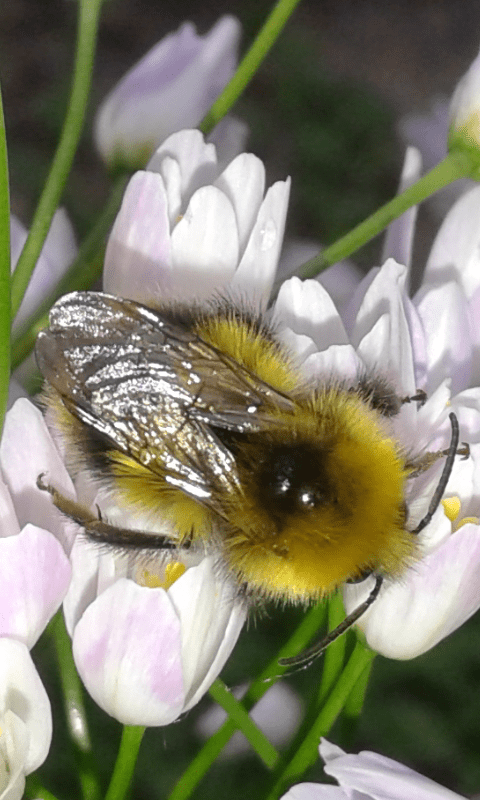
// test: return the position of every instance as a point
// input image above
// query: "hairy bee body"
(201, 419)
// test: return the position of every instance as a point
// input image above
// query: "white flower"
(171, 88)
(149, 651)
(369, 776)
(416, 346)
(186, 230)
(25, 719)
(465, 110)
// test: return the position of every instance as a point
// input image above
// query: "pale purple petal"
(8, 519)
(317, 791)
(138, 259)
(127, 648)
(92, 568)
(34, 577)
(380, 778)
(443, 310)
(432, 599)
(256, 271)
(455, 255)
(230, 138)
(205, 244)
(381, 332)
(399, 236)
(196, 159)
(171, 88)
(212, 616)
(22, 692)
(57, 254)
(26, 451)
(307, 308)
(243, 182)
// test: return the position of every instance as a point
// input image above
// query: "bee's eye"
(292, 481)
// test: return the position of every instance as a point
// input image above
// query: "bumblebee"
(199, 422)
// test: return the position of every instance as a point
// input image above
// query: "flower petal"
(127, 648)
(22, 692)
(34, 577)
(138, 257)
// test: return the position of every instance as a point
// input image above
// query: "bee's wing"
(152, 388)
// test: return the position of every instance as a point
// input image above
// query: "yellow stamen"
(152, 580)
(451, 506)
(466, 521)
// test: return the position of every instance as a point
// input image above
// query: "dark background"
(323, 108)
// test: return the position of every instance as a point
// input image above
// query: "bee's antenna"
(309, 655)
(445, 476)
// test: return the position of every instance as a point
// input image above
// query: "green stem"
(356, 698)
(89, 11)
(334, 657)
(457, 164)
(125, 764)
(250, 63)
(75, 710)
(86, 268)
(198, 767)
(305, 753)
(238, 714)
(34, 789)
(4, 271)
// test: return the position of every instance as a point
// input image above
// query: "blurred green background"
(323, 108)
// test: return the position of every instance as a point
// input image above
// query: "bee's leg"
(99, 530)
(450, 454)
(308, 656)
(419, 397)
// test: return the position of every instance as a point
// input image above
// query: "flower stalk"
(4, 270)
(457, 164)
(250, 63)
(89, 12)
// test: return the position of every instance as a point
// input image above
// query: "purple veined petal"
(455, 254)
(22, 692)
(443, 310)
(57, 254)
(205, 244)
(307, 308)
(256, 272)
(212, 616)
(197, 161)
(24, 432)
(432, 600)
(34, 577)
(127, 648)
(399, 236)
(243, 182)
(138, 259)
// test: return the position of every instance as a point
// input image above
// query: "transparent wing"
(152, 388)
